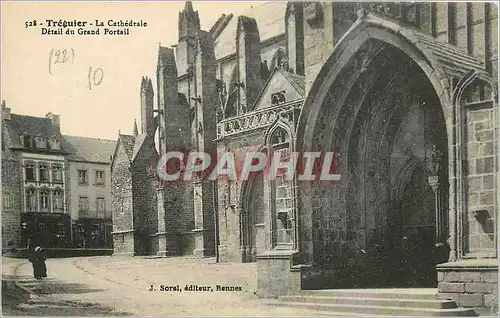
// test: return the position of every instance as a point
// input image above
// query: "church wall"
(268, 51)
(469, 32)
(227, 72)
(121, 192)
(481, 183)
(145, 215)
(229, 194)
(318, 37)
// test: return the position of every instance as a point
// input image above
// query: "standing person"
(38, 260)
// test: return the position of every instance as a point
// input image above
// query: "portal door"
(416, 233)
(253, 222)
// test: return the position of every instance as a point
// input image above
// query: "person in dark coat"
(38, 261)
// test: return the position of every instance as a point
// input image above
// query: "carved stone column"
(441, 248)
(434, 183)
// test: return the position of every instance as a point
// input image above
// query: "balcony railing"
(261, 118)
(44, 182)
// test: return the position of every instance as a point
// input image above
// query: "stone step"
(390, 293)
(396, 302)
(337, 309)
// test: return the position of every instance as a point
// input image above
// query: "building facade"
(404, 94)
(39, 186)
(90, 190)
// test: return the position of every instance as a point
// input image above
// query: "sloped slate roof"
(89, 149)
(128, 142)
(270, 21)
(32, 126)
(139, 140)
(454, 61)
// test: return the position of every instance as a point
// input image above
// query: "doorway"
(415, 230)
(253, 230)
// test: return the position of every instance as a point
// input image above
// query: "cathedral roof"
(270, 21)
(85, 149)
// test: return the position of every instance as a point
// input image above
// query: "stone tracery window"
(282, 193)
(278, 98)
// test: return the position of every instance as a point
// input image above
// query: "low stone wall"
(61, 252)
(275, 277)
(470, 283)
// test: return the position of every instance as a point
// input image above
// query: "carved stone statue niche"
(435, 161)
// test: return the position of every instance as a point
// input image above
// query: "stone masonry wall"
(318, 38)
(121, 191)
(145, 206)
(11, 199)
(229, 193)
(470, 287)
(481, 184)
(123, 243)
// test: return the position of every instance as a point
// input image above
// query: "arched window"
(43, 172)
(31, 205)
(44, 200)
(58, 200)
(57, 174)
(282, 199)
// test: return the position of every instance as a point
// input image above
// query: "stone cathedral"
(405, 92)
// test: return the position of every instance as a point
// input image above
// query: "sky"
(96, 90)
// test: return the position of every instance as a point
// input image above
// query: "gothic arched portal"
(382, 104)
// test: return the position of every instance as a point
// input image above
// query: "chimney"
(54, 118)
(5, 112)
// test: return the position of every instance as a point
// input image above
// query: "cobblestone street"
(121, 286)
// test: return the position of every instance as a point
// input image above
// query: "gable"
(278, 82)
(119, 158)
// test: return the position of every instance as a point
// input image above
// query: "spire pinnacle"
(136, 131)
(188, 7)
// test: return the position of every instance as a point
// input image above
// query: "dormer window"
(55, 144)
(41, 142)
(28, 141)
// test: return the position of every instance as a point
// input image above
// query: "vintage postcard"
(206, 158)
